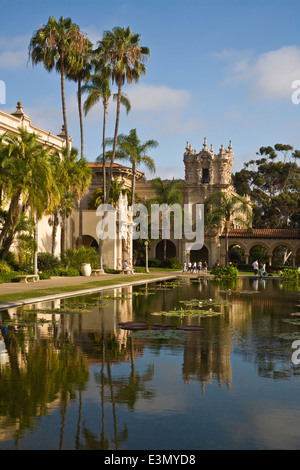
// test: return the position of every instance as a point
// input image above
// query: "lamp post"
(146, 245)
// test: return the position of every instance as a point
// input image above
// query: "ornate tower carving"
(205, 171)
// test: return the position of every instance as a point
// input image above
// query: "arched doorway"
(199, 255)
(88, 241)
(159, 250)
(236, 254)
(282, 256)
(258, 253)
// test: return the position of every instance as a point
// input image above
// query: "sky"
(220, 69)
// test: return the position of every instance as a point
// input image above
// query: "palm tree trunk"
(81, 155)
(55, 222)
(63, 100)
(133, 183)
(115, 140)
(226, 242)
(11, 220)
(105, 103)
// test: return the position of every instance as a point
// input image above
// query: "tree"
(224, 210)
(273, 183)
(58, 44)
(116, 188)
(99, 89)
(81, 72)
(27, 180)
(166, 193)
(73, 177)
(121, 50)
(130, 148)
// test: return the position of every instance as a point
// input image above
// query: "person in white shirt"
(127, 268)
(255, 267)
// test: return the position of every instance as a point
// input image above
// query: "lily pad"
(170, 335)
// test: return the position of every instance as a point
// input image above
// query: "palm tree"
(27, 179)
(130, 148)
(166, 193)
(224, 210)
(81, 73)
(73, 178)
(57, 44)
(116, 188)
(121, 50)
(99, 89)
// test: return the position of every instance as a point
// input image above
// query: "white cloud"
(154, 98)
(13, 52)
(269, 75)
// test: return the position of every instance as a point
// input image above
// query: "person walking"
(255, 267)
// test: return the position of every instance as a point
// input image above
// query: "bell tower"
(206, 171)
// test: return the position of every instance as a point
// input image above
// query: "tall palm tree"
(121, 50)
(27, 179)
(56, 44)
(99, 89)
(130, 148)
(81, 72)
(166, 193)
(223, 210)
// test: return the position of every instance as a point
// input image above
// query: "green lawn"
(61, 290)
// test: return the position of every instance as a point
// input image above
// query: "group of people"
(259, 270)
(195, 267)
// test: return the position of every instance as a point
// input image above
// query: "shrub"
(45, 276)
(226, 272)
(173, 263)
(69, 272)
(290, 274)
(75, 258)
(12, 262)
(10, 276)
(47, 262)
(154, 262)
(4, 267)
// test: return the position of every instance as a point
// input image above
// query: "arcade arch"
(159, 249)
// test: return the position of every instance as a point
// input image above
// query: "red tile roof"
(107, 165)
(263, 233)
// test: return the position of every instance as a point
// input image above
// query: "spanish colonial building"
(205, 172)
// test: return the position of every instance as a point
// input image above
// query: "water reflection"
(71, 358)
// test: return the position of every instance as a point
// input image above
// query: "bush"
(173, 263)
(75, 258)
(47, 262)
(10, 276)
(154, 262)
(44, 276)
(226, 272)
(4, 267)
(290, 274)
(69, 272)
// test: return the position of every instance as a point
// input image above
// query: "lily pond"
(183, 364)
